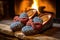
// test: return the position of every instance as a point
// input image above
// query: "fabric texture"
(16, 26)
(28, 30)
(23, 15)
(37, 19)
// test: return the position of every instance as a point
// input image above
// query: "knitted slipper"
(22, 18)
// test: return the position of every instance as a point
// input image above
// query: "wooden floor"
(6, 33)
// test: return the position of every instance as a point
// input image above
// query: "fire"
(35, 4)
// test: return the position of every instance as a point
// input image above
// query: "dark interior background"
(6, 9)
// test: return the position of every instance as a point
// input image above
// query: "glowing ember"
(35, 4)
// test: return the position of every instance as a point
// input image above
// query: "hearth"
(11, 8)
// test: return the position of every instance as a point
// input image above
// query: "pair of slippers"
(26, 25)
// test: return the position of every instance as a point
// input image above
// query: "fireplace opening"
(40, 5)
(9, 9)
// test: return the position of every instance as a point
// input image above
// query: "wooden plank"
(51, 34)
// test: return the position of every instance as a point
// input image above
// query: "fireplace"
(20, 6)
(41, 6)
(15, 7)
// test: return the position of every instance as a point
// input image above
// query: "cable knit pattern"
(16, 26)
(27, 30)
(23, 15)
(37, 19)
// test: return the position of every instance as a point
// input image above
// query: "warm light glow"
(35, 4)
(46, 18)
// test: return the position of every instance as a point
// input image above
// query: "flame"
(35, 4)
